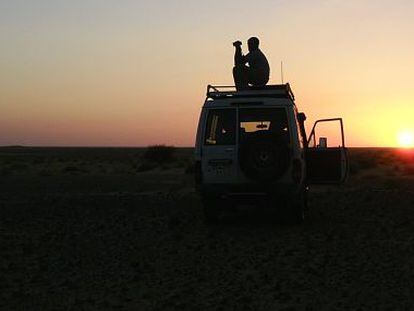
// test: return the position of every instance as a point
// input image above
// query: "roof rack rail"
(224, 91)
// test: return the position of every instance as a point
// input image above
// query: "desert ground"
(114, 229)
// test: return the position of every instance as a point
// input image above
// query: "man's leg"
(240, 75)
(238, 57)
(256, 79)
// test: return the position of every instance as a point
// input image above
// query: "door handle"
(229, 150)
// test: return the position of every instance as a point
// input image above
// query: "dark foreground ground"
(103, 229)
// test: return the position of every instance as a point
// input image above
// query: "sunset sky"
(134, 73)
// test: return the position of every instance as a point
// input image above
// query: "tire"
(211, 210)
(264, 158)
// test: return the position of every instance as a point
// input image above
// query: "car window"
(254, 121)
(221, 127)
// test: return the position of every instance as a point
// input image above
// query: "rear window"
(221, 127)
(254, 121)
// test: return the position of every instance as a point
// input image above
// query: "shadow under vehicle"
(252, 146)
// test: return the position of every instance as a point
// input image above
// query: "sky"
(134, 73)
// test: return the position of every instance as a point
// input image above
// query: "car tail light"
(297, 170)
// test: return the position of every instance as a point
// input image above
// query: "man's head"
(253, 44)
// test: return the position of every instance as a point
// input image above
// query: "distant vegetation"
(50, 161)
(159, 153)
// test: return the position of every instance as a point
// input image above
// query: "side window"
(221, 127)
(327, 133)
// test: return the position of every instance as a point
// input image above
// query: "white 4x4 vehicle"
(252, 145)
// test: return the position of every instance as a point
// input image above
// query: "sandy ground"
(80, 243)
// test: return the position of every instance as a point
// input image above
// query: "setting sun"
(406, 139)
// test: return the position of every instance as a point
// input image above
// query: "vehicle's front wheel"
(211, 210)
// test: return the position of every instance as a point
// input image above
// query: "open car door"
(327, 164)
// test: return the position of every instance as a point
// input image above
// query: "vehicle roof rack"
(229, 91)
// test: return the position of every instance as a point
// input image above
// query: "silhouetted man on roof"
(257, 71)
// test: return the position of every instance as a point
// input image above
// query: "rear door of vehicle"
(326, 155)
(264, 142)
(219, 154)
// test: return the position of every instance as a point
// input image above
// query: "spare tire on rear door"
(264, 157)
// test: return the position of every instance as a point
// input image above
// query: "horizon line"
(146, 146)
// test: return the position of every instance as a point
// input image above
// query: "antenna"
(281, 70)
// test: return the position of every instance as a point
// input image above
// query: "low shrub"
(159, 153)
(146, 166)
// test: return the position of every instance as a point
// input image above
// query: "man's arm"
(239, 58)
